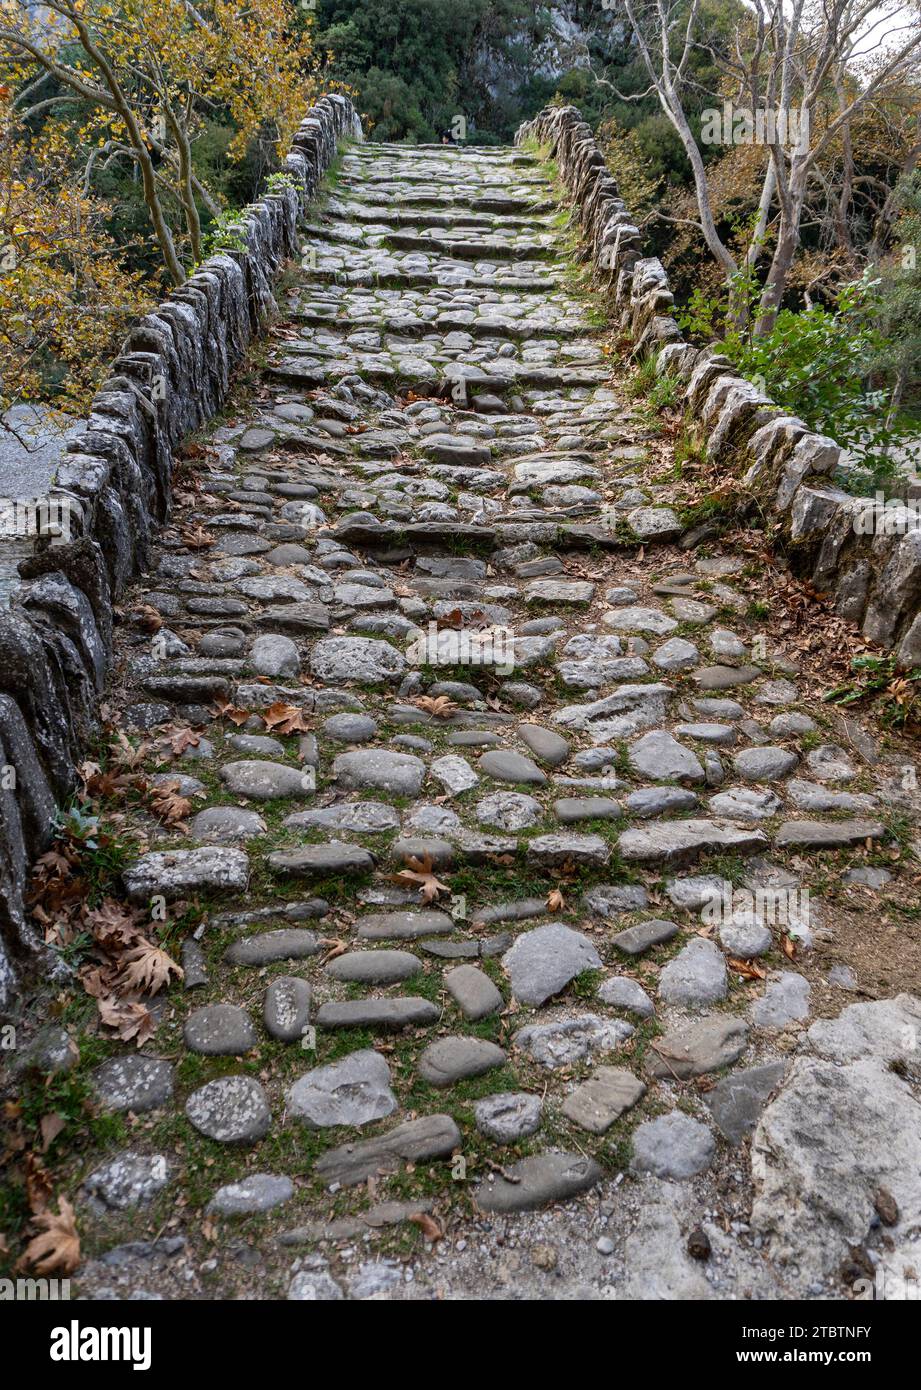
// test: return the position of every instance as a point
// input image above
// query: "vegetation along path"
(482, 900)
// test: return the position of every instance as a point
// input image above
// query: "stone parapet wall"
(172, 376)
(867, 558)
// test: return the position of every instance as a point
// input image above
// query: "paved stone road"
(422, 470)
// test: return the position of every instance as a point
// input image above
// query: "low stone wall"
(868, 558)
(114, 489)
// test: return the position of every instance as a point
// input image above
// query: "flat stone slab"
(317, 861)
(473, 991)
(359, 817)
(814, 834)
(725, 677)
(255, 1193)
(354, 1091)
(230, 1110)
(362, 659)
(226, 823)
(286, 1008)
(543, 961)
(621, 992)
(401, 774)
(546, 745)
(635, 940)
(672, 1146)
(684, 841)
(696, 977)
(219, 1030)
(314, 1286)
(575, 591)
(634, 618)
(452, 1059)
(288, 943)
(696, 1048)
(659, 756)
(784, 1001)
(765, 764)
(404, 926)
(407, 1012)
(572, 809)
(736, 1101)
(542, 1178)
(598, 1102)
(256, 779)
(504, 765)
(128, 1180)
(565, 1041)
(552, 851)
(133, 1083)
(180, 873)
(508, 1116)
(414, 1141)
(509, 810)
(374, 967)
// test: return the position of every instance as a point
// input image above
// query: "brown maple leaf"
(441, 706)
(168, 805)
(746, 968)
(225, 710)
(128, 1018)
(285, 718)
(57, 1247)
(555, 900)
(197, 538)
(183, 739)
(112, 924)
(419, 871)
(123, 753)
(146, 968)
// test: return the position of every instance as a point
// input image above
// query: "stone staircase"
(454, 957)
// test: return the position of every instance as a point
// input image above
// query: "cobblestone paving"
(420, 641)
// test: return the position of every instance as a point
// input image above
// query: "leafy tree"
(415, 64)
(818, 363)
(900, 300)
(146, 72)
(66, 295)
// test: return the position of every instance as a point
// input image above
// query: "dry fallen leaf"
(428, 1225)
(225, 710)
(555, 900)
(129, 1018)
(334, 947)
(58, 1245)
(147, 618)
(146, 968)
(196, 537)
(284, 718)
(38, 1184)
(50, 1127)
(419, 871)
(183, 739)
(746, 968)
(439, 705)
(168, 805)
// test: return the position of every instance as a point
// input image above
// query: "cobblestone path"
(521, 879)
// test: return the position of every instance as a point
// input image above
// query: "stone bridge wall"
(114, 489)
(870, 562)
